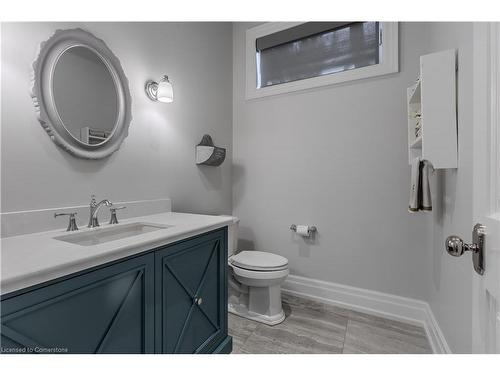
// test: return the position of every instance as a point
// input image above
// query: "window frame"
(389, 62)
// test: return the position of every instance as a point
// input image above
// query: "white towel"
(420, 191)
(415, 177)
(426, 187)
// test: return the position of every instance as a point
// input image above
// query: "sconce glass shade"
(160, 91)
(165, 92)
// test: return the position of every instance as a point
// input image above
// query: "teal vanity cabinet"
(191, 295)
(172, 299)
(108, 310)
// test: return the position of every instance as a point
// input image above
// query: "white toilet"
(255, 279)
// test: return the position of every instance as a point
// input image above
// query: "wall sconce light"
(160, 91)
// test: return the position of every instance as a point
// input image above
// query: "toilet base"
(242, 310)
(256, 295)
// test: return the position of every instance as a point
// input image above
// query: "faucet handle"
(70, 214)
(114, 219)
(72, 220)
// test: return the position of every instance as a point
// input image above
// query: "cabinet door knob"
(198, 301)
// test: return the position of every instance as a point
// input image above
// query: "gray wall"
(335, 157)
(156, 160)
(450, 281)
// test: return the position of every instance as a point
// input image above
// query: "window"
(285, 57)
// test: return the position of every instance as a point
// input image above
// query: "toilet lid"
(259, 261)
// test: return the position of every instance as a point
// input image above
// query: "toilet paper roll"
(303, 230)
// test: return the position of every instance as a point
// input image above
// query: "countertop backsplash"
(25, 222)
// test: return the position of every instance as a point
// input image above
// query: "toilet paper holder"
(312, 228)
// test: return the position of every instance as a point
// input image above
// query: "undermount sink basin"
(101, 235)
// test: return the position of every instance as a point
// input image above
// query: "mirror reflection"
(85, 95)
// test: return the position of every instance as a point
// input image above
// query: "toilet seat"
(259, 275)
(259, 261)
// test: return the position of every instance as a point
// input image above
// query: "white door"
(486, 186)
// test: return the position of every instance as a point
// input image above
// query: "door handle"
(456, 247)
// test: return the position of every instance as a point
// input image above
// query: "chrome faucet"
(94, 209)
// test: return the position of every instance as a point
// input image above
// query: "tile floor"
(313, 327)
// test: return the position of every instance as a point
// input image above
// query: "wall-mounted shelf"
(415, 93)
(432, 112)
(417, 143)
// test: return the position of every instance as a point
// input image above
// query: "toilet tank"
(232, 235)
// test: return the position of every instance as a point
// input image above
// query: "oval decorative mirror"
(81, 94)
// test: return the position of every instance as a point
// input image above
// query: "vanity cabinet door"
(109, 310)
(191, 295)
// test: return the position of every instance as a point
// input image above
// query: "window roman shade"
(295, 33)
(315, 49)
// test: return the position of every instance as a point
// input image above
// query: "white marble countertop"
(31, 259)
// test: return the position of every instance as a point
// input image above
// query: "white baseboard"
(390, 306)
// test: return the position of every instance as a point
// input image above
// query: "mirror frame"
(43, 96)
